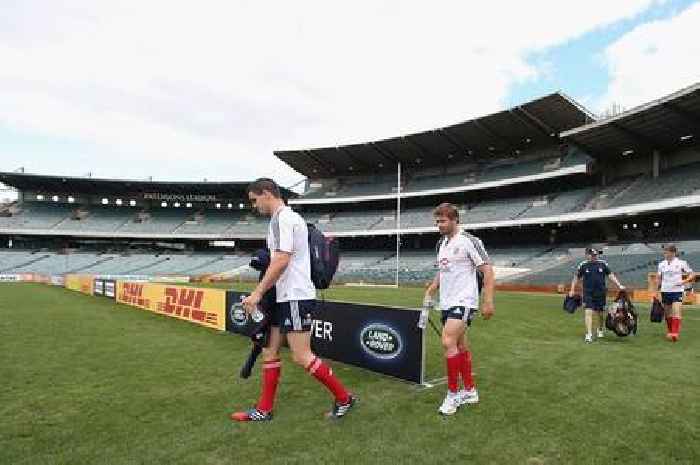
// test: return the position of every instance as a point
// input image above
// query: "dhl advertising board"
(206, 307)
(80, 282)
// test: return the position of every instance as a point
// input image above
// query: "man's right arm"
(432, 287)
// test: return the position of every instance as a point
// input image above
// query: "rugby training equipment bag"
(324, 255)
(657, 311)
(571, 304)
(258, 329)
(622, 319)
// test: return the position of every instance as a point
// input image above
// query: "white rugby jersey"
(288, 233)
(458, 259)
(672, 274)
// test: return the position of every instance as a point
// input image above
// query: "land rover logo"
(381, 341)
(238, 315)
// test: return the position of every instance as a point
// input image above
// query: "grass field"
(86, 381)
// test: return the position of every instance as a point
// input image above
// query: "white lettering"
(322, 330)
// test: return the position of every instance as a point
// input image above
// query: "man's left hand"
(251, 302)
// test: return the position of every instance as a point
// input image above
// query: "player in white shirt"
(672, 285)
(290, 273)
(460, 256)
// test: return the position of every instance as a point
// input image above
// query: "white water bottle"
(423, 318)
(257, 316)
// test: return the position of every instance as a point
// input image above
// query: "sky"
(207, 90)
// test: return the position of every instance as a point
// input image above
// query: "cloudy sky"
(208, 89)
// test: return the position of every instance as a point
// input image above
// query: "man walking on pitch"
(290, 272)
(460, 256)
(593, 272)
(671, 284)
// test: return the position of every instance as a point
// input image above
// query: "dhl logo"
(186, 303)
(132, 293)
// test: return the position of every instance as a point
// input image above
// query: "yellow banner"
(206, 307)
(80, 282)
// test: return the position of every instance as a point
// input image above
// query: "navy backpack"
(324, 254)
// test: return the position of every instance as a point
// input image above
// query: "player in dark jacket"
(594, 272)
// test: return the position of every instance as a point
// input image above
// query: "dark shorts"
(595, 302)
(668, 298)
(459, 313)
(295, 315)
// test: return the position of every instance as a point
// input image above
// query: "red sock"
(454, 364)
(324, 374)
(270, 379)
(668, 325)
(675, 325)
(466, 370)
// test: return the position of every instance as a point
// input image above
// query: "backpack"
(324, 254)
(622, 319)
(657, 311)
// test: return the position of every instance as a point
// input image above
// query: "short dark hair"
(261, 185)
(447, 209)
(671, 248)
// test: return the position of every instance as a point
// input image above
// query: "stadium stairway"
(92, 265)
(607, 196)
(202, 266)
(143, 268)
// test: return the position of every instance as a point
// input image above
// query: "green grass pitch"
(86, 381)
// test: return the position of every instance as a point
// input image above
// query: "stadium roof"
(80, 185)
(665, 124)
(501, 134)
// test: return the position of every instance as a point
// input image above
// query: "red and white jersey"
(457, 262)
(672, 274)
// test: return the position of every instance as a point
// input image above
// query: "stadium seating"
(114, 264)
(34, 215)
(155, 221)
(632, 263)
(209, 222)
(105, 219)
(444, 177)
(535, 265)
(557, 204)
(99, 219)
(496, 210)
(676, 182)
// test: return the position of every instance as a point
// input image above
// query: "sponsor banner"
(206, 307)
(99, 287)
(9, 278)
(80, 282)
(385, 340)
(110, 288)
(57, 280)
(105, 287)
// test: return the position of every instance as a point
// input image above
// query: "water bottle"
(257, 316)
(423, 319)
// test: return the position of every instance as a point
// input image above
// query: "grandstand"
(537, 182)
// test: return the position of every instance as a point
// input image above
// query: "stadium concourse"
(537, 182)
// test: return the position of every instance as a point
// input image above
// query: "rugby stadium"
(88, 379)
(537, 182)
